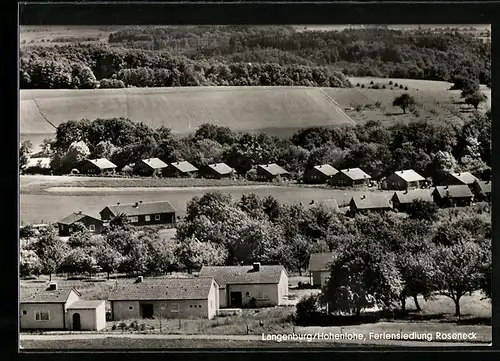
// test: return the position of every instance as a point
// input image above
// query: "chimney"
(53, 286)
(80, 212)
(139, 279)
(140, 201)
(118, 203)
(256, 266)
(363, 196)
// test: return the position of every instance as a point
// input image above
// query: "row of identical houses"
(155, 166)
(215, 289)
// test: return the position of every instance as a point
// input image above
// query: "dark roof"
(405, 197)
(464, 177)
(75, 217)
(86, 304)
(196, 288)
(130, 209)
(326, 169)
(43, 295)
(355, 173)
(221, 168)
(371, 201)
(460, 191)
(409, 175)
(242, 274)
(484, 186)
(320, 261)
(102, 163)
(38, 163)
(184, 167)
(154, 163)
(272, 169)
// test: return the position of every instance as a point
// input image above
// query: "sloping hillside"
(184, 109)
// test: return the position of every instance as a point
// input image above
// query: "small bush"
(401, 87)
(378, 104)
(390, 83)
(357, 84)
(376, 86)
(358, 107)
(363, 86)
(113, 327)
(396, 85)
(406, 88)
(384, 87)
(371, 83)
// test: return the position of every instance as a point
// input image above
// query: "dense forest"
(244, 55)
(430, 148)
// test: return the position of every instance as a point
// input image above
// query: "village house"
(142, 214)
(55, 308)
(180, 169)
(402, 199)
(37, 166)
(352, 177)
(97, 166)
(270, 172)
(92, 224)
(216, 171)
(149, 167)
(249, 286)
(403, 180)
(481, 190)
(460, 178)
(451, 196)
(166, 298)
(319, 268)
(369, 203)
(319, 174)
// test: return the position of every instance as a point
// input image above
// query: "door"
(147, 310)
(236, 299)
(77, 325)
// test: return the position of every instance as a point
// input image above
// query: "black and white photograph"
(254, 186)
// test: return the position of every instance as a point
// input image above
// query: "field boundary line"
(337, 107)
(43, 115)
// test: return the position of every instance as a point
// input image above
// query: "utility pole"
(162, 308)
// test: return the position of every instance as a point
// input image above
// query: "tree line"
(374, 51)
(378, 258)
(91, 66)
(430, 148)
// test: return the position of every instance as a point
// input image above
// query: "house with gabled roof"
(451, 196)
(59, 308)
(255, 285)
(319, 267)
(350, 177)
(458, 178)
(403, 180)
(369, 202)
(319, 174)
(402, 199)
(150, 166)
(216, 171)
(37, 166)
(91, 223)
(481, 190)
(166, 298)
(97, 166)
(142, 214)
(180, 169)
(270, 172)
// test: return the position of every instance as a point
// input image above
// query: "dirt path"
(149, 189)
(88, 336)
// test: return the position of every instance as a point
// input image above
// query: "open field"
(45, 35)
(39, 205)
(183, 109)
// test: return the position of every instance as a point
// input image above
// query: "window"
(190, 306)
(130, 308)
(157, 217)
(199, 306)
(92, 227)
(147, 218)
(174, 307)
(42, 316)
(25, 312)
(259, 294)
(247, 294)
(133, 219)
